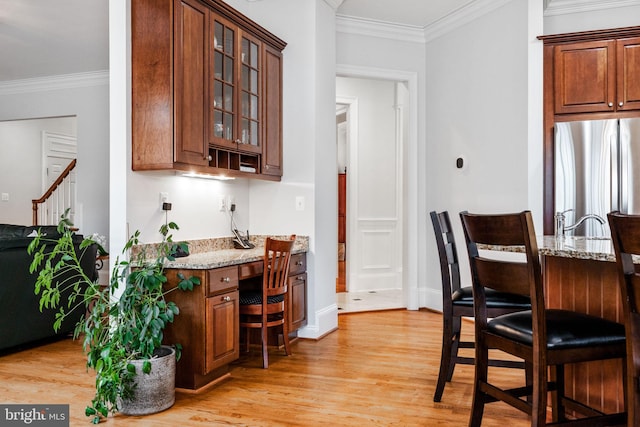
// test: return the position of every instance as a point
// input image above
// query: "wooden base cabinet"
(207, 326)
(206, 90)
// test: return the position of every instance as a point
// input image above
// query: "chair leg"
(539, 397)
(265, 349)
(455, 344)
(481, 376)
(557, 404)
(285, 337)
(446, 358)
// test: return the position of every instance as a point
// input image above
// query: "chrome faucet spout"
(583, 219)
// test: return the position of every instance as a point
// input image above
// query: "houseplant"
(119, 332)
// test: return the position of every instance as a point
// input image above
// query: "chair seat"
(565, 329)
(253, 298)
(495, 299)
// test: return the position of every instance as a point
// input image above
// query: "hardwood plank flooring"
(377, 369)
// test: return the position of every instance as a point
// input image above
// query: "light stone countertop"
(219, 252)
(594, 248)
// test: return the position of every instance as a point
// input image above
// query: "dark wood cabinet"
(597, 76)
(584, 77)
(208, 325)
(215, 78)
(587, 75)
(297, 292)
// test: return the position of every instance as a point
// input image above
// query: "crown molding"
(64, 81)
(373, 28)
(334, 4)
(461, 16)
(412, 33)
(563, 7)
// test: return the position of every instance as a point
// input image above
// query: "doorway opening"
(371, 125)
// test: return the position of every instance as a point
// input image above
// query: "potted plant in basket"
(122, 335)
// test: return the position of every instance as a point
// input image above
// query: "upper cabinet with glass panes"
(235, 83)
(206, 90)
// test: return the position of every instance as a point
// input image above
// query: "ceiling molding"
(412, 33)
(461, 16)
(65, 81)
(373, 28)
(335, 4)
(563, 7)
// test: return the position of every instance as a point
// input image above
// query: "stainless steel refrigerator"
(597, 170)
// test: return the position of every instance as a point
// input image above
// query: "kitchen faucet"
(560, 226)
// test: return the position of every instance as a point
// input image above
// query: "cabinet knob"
(209, 158)
(237, 141)
(266, 166)
(611, 104)
(300, 277)
(299, 263)
(226, 298)
(225, 279)
(620, 104)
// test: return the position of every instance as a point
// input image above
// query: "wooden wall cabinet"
(206, 90)
(597, 76)
(587, 75)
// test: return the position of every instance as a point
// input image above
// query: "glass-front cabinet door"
(250, 94)
(235, 86)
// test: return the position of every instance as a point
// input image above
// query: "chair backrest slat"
(277, 257)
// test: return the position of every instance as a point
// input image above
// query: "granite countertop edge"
(219, 252)
(577, 247)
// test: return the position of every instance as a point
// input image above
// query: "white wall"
(21, 171)
(86, 97)
(476, 91)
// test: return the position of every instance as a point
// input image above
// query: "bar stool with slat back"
(625, 233)
(457, 302)
(544, 338)
(269, 307)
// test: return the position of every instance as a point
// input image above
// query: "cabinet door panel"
(584, 77)
(628, 76)
(222, 330)
(297, 301)
(190, 82)
(272, 150)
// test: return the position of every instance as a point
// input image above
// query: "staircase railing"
(56, 199)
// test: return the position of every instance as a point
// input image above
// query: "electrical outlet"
(222, 203)
(5, 197)
(164, 198)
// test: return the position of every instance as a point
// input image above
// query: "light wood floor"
(378, 369)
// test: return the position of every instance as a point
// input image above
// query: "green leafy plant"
(116, 329)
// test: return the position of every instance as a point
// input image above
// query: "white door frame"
(410, 176)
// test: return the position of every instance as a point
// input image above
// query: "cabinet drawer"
(252, 269)
(298, 263)
(221, 279)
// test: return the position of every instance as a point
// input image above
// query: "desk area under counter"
(208, 324)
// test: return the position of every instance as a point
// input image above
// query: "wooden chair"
(457, 302)
(269, 308)
(544, 338)
(625, 233)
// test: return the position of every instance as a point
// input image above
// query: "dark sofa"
(21, 321)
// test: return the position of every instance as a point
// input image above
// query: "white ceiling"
(55, 37)
(417, 13)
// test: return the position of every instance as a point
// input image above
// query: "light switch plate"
(300, 203)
